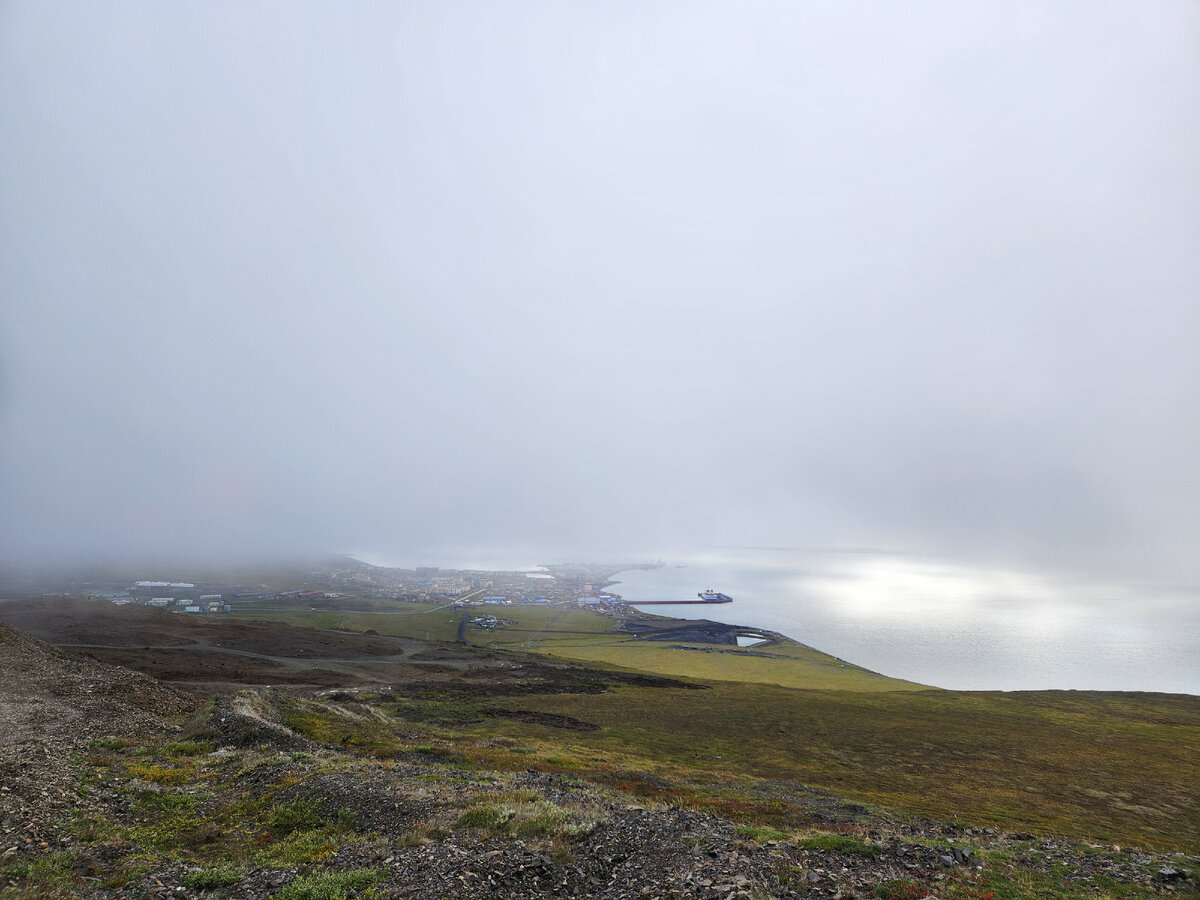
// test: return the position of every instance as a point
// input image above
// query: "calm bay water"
(943, 624)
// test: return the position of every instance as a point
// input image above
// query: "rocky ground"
(102, 795)
(51, 705)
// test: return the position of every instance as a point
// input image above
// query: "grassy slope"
(586, 636)
(1110, 767)
(239, 820)
(1114, 767)
(1104, 766)
(803, 667)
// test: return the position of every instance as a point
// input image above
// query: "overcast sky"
(603, 278)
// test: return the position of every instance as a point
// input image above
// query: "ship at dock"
(709, 596)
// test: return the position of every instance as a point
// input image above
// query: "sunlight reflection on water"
(950, 625)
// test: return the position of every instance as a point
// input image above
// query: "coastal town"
(342, 587)
(343, 583)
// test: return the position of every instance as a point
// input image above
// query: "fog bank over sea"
(943, 623)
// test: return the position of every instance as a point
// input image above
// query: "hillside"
(408, 768)
(51, 705)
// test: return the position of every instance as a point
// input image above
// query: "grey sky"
(594, 278)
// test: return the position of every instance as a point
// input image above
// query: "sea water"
(944, 624)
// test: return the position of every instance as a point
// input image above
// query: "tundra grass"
(200, 816)
(438, 622)
(791, 665)
(586, 636)
(212, 879)
(1115, 767)
(1110, 767)
(329, 885)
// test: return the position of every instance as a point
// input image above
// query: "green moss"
(170, 800)
(302, 848)
(303, 835)
(446, 710)
(1014, 882)
(756, 833)
(52, 875)
(544, 819)
(293, 816)
(108, 743)
(160, 774)
(486, 815)
(177, 832)
(92, 829)
(839, 843)
(527, 815)
(212, 879)
(330, 885)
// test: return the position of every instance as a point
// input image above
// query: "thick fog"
(598, 279)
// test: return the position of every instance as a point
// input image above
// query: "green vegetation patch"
(212, 879)
(294, 816)
(486, 815)
(1011, 882)
(528, 818)
(108, 743)
(757, 833)
(301, 848)
(318, 722)
(441, 709)
(92, 829)
(160, 774)
(789, 665)
(329, 885)
(301, 834)
(51, 875)
(170, 800)
(839, 843)
(1114, 768)
(179, 831)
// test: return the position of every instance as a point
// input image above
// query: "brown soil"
(198, 653)
(541, 718)
(97, 623)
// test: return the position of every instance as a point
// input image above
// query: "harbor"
(703, 597)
